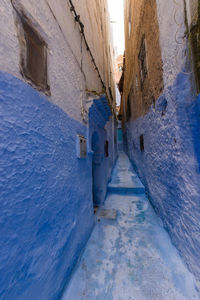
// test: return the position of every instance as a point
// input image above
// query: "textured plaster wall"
(64, 89)
(169, 164)
(102, 165)
(138, 15)
(173, 42)
(46, 210)
(70, 69)
(46, 205)
(94, 14)
(9, 45)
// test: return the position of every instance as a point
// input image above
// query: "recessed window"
(142, 143)
(34, 57)
(81, 146)
(143, 61)
(115, 139)
(106, 148)
(153, 102)
(128, 111)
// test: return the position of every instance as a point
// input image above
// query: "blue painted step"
(124, 179)
(129, 254)
(126, 190)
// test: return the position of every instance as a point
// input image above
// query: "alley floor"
(129, 255)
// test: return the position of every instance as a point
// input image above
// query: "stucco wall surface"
(169, 166)
(102, 128)
(9, 45)
(70, 68)
(141, 23)
(173, 38)
(61, 61)
(95, 16)
(46, 210)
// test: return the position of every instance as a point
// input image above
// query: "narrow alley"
(100, 150)
(129, 255)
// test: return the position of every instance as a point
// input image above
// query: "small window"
(115, 139)
(34, 57)
(128, 112)
(81, 147)
(142, 143)
(106, 148)
(143, 61)
(154, 102)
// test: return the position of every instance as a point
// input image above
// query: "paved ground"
(129, 255)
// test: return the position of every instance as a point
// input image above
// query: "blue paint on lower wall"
(169, 165)
(46, 210)
(101, 130)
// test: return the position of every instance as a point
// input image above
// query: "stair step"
(126, 190)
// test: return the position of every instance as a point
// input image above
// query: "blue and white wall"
(102, 130)
(169, 166)
(46, 209)
(46, 191)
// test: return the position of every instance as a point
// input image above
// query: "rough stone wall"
(169, 162)
(141, 16)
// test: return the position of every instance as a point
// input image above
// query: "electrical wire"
(81, 27)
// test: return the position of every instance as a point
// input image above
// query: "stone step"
(126, 190)
(126, 184)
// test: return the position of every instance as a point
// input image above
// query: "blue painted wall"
(170, 164)
(101, 130)
(46, 209)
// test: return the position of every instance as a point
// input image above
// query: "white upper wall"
(70, 70)
(9, 45)
(172, 38)
(96, 20)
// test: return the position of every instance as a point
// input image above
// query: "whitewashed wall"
(70, 69)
